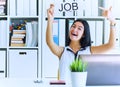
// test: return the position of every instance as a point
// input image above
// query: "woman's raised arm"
(57, 50)
(111, 43)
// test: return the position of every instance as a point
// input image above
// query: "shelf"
(23, 47)
(3, 16)
(75, 17)
(3, 48)
(23, 17)
(90, 17)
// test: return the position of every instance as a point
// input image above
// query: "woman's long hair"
(86, 39)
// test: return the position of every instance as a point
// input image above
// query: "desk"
(32, 83)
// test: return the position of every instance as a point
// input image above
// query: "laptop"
(103, 70)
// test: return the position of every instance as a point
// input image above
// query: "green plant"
(78, 66)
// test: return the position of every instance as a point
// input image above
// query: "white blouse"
(68, 56)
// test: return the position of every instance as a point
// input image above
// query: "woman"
(79, 41)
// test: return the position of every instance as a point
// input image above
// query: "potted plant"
(78, 73)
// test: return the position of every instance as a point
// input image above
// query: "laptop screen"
(103, 70)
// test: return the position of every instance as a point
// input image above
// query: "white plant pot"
(78, 79)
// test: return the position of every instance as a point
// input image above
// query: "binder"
(106, 32)
(29, 35)
(80, 11)
(87, 7)
(117, 35)
(26, 6)
(94, 8)
(70, 23)
(34, 33)
(33, 7)
(57, 9)
(56, 31)
(116, 5)
(20, 7)
(99, 33)
(92, 32)
(13, 7)
(62, 32)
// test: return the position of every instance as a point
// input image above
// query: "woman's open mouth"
(73, 34)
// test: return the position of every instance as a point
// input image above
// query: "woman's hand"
(50, 12)
(108, 14)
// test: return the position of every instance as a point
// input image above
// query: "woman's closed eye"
(73, 26)
(77, 27)
(80, 28)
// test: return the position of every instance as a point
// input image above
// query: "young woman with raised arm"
(79, 41)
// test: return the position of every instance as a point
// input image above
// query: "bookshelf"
(3, 38)
(20, 37)
(24, 25)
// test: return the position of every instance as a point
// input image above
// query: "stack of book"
(18, 33)
(18, 37)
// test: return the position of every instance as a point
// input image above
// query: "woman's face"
(76, 31)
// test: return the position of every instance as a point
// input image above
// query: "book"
(18, 35)
(17, 41)
(34, 33)
(57, 82)
(17, 45)
(29, 35)
(19, 31)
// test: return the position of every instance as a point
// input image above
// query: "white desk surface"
(32, 83)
